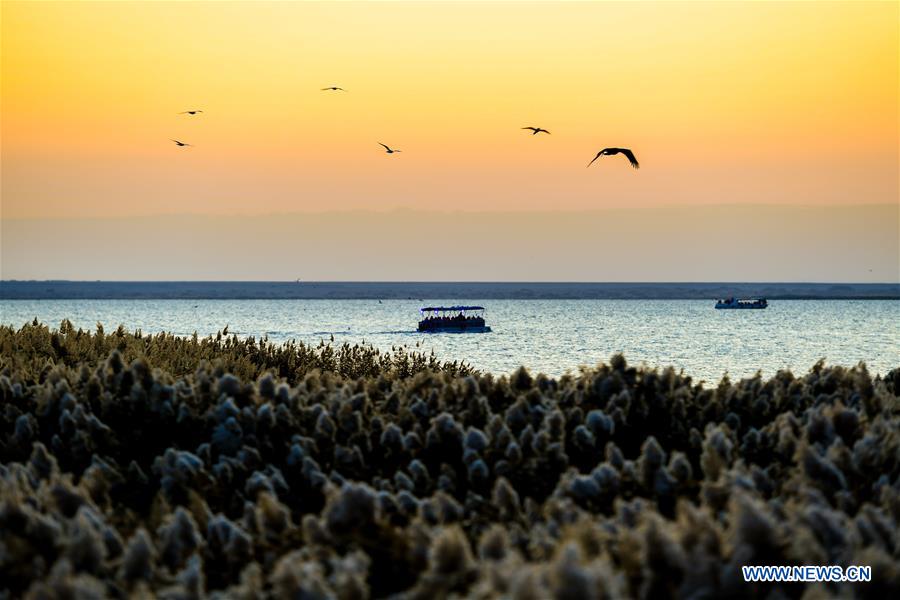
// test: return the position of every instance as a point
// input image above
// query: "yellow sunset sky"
(723, 103)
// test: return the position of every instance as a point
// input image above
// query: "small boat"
(742, 303)
(453, 319)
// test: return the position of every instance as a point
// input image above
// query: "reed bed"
(31, 350)
(135, 465)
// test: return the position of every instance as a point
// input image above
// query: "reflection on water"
(545, 335)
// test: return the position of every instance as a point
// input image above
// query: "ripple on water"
(552, 336)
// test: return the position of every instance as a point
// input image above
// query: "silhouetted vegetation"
(33, 348)
(183, 468)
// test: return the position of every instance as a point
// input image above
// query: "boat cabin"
(453, 319)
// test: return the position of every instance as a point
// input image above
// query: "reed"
(32, 348)
(181, 468)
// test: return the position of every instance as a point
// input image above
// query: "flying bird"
(190, 112)
(181, 143)
(537, 130)
(610, 151)
(389, 150)
(334, 88)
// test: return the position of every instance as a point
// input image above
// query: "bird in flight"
(190, 112)
(537, 130)
(388, 149)
(610, 151)
(334, 88)
(181, 143)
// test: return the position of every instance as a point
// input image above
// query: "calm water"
(550, 336)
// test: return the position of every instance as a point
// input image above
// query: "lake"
(550, 336)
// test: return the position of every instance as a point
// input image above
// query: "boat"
(452, 319)
(742, 303)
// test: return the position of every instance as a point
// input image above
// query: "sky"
(750, 104)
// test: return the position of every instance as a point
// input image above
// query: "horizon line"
(62, 290)
(456, 282)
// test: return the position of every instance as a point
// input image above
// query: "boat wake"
(358, 332)
(400, 332)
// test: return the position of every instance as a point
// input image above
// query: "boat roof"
(439, 308)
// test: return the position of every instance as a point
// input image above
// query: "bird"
(537, 130)
(181, 143)
(190, 112)
(610, 151)
(388, 149)
(334, 88)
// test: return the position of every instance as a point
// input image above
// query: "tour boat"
(742, 303)
(453, 319)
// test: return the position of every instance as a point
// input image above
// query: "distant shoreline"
(387, 290)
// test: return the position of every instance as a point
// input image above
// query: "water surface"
(552, 336)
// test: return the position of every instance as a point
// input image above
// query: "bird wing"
(631, 158)
(544, 130)
(595, 158)
(531, 128)
(385, 146)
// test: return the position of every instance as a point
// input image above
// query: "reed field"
(134, 466)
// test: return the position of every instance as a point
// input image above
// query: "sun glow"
(721, 103)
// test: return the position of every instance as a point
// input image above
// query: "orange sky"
(721, 102)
